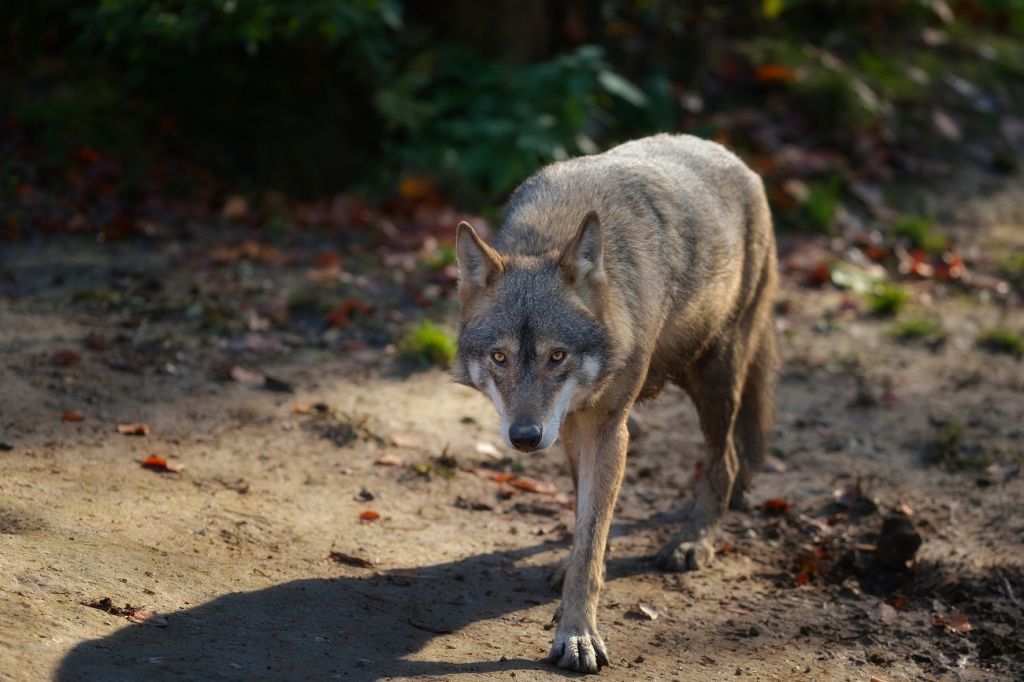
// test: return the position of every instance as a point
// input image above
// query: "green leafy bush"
(487, 125)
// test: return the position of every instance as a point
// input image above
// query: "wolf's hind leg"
(715, 389)
(754, 421)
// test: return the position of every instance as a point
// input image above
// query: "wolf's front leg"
(602, 461)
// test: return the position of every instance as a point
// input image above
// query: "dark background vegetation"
(370, 126)
(315, 97)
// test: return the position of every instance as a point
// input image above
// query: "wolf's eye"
(557, 357)
(498, 357)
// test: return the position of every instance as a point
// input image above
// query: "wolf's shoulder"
(687, 150)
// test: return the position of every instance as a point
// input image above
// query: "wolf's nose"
(525, 435)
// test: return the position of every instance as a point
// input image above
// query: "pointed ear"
(583, 257)
(479, 264)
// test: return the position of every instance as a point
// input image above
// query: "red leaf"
(65, 357)
(774, 73)
(158, 463)
(73, 416)
(775, 506)
(369, 515)
(339, 315)
(501, 478)
(97, 342)
(818, 276)
(326, 259)
(532, 486)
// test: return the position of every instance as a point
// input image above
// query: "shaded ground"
(232, 548)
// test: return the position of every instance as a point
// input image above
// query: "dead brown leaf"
(348, 559)
(72, 416)
(65, 357)
(137, 429)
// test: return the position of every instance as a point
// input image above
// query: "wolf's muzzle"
(525, 436)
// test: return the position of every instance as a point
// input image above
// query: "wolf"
(611, 275)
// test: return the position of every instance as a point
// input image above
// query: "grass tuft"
(886, 300)
(428, 344)
(1002, 340)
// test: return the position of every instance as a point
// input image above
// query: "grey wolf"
(611, 275)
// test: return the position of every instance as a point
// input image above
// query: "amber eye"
(498, 357)
(557, 357)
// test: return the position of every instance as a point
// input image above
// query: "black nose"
(525, 435)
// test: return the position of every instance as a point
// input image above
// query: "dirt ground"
(234, 549)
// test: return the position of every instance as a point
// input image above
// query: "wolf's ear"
(583, 257)
(479, 264)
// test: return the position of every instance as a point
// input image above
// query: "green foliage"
(818, 209)
(427, 344)
(921, 234)
(887, 299)
(1012, 264)
(486, 126)
(1002, 340)
(140, 29)
(918, 329)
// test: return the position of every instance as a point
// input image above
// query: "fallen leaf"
(369, 515)
(133, 429)
(65, 357)
(488, 449)
(158, 463)
(277, 385)
(773, 465)
(415, 187)
(409, 442)
(896, 602)
(73, 416)
(348, 559)
(339, 315)
(326, 259)
(236, 208)
(774, 73)
(959, 623)
(244, 376)
(726, 548)
(533, 486)
(883, 612)
(648, 610)
(501, 477)
(775, 506)
(148, 617)
(301, 408)
(388, 460)
(97, 342)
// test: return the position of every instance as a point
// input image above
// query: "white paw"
(578, 649)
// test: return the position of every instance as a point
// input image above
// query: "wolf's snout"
(525, 435)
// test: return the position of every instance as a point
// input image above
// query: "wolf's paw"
(557, 575)
(679, 556)
(741, 500)
(578, 649)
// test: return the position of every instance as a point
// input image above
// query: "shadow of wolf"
(348, 628)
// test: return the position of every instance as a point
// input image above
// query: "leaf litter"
(135, 614)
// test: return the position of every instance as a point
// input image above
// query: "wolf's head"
(531, 335)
